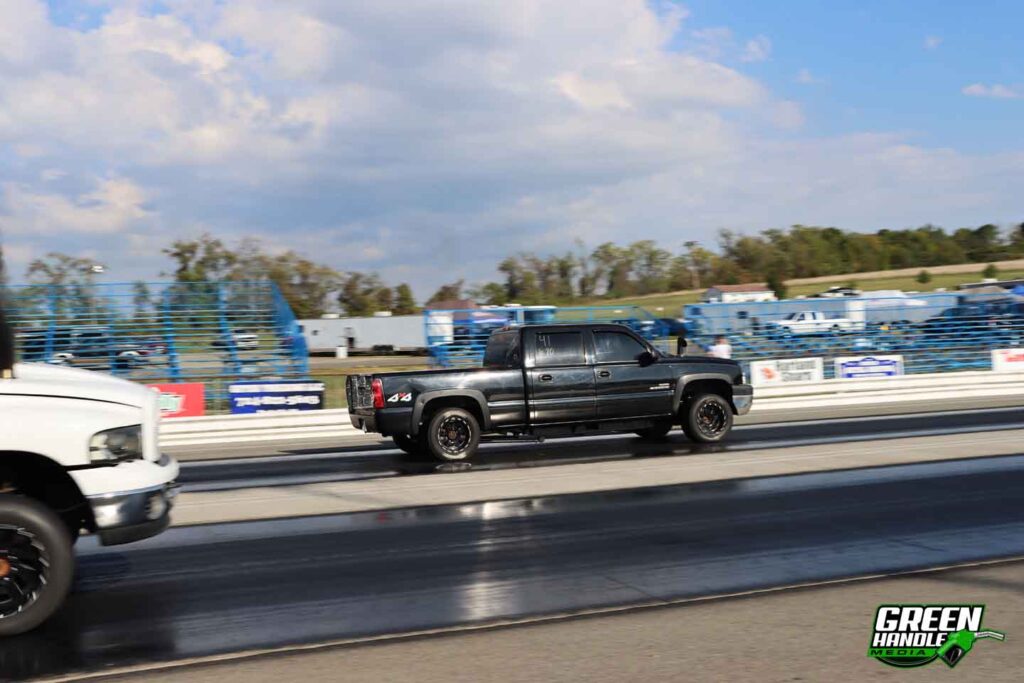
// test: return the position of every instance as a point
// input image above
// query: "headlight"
(114, 445)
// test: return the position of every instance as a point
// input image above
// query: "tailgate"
(358, 392)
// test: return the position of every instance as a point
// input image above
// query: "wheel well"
(41, 478)
(708, 386)
(464, 402)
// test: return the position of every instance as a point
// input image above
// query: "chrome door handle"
(604, 373)
(545, 378)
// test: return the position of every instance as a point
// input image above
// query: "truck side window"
(559, 348)
(616, 347)
(502, 350)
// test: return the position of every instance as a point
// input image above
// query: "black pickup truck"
(547, 381)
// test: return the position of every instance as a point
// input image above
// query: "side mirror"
(645, 358)
(681, 346)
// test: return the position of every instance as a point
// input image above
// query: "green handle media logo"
(915, 635)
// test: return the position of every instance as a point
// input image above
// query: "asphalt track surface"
(199, 591)
(311, 465)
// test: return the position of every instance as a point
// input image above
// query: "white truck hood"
(39, 379)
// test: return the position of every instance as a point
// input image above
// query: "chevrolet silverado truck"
(542, 381)
(78, 450)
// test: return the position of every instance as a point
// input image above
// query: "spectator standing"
(721, 348)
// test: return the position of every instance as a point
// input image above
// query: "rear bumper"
(742, 398)
(386, 421)
(133, 515)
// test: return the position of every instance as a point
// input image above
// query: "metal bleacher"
(457, 337)
(939, 332)
(210, 332)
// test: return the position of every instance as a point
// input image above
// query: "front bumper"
(133, 515)
(742, 398)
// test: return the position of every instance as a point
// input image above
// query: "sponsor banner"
(785, 370)
(181, 400)
(852, 367)
(266, 396)
(1008, 360)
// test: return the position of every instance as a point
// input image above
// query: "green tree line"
(579, 275)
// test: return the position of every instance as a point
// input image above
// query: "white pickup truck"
(78, 450)
(815, 322)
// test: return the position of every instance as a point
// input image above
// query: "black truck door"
(561, 381)
(626, 387)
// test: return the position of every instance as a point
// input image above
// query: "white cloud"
(932, 42)
(805, 77)
(996, 91)
(113, 205)
(462, 130)
(758, 49)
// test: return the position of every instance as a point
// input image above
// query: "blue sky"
(888, 66)
(427, 140)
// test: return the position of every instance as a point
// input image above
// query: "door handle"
(545, 378)
(604, 373)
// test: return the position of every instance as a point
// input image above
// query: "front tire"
(36, 563)
(708, 418)
(453, 435)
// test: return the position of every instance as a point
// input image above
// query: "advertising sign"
(853, 367)
(1008, 360)
(785, 370)
(181, 400)
(270, 395)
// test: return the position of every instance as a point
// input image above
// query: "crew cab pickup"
(549, 381)
(815, 322)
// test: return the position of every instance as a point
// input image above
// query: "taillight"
(378, 393)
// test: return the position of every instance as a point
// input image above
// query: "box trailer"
(375, 334)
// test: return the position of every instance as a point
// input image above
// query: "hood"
(39, 379)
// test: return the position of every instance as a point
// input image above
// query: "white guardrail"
(329, 424)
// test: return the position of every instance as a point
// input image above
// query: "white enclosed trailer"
(398, 333)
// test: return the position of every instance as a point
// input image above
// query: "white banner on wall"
(852, 367)
(786, 370)
(1008, 360)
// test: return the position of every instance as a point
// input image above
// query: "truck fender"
(677, 397)
(424, 398)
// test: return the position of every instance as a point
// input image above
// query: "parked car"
(243, 340)
(837, 293)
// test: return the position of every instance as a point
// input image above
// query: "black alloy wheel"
(709, 418)
(36, 563)
(453, 435)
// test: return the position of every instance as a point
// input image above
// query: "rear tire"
(707, 418)
(657, 432)
(36, 563)
(453, 435)
(410, 444)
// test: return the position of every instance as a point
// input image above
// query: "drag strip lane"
(207, 590)
(304, 467)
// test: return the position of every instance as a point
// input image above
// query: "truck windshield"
(502, 350)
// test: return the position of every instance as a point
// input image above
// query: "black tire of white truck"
(36, 563)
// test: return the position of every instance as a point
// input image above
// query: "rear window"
(559, 348)
(502, 350)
